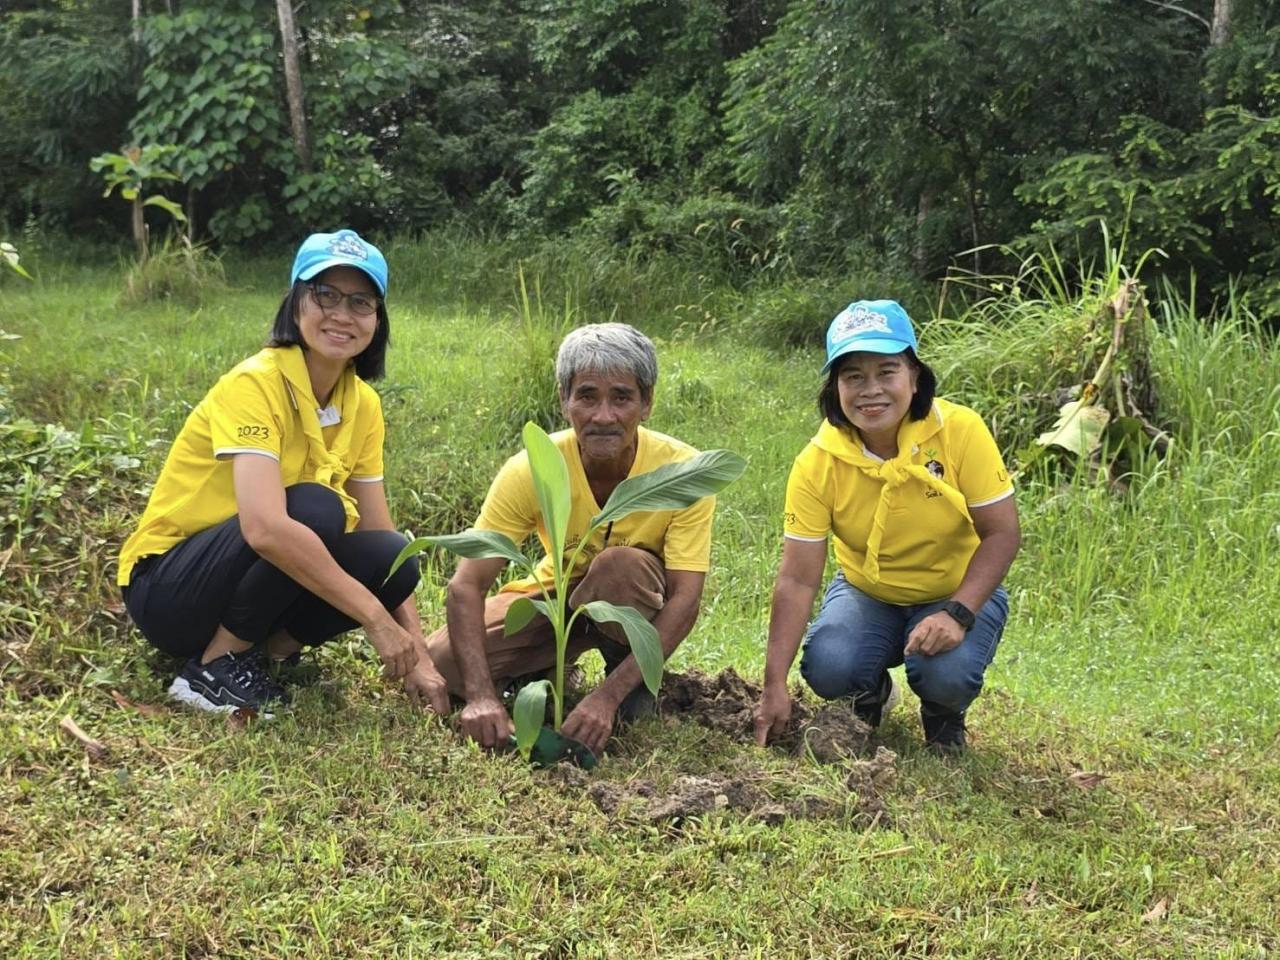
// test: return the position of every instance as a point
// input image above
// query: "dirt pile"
(748, 795)
(725, 702)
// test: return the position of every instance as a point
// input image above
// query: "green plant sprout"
(670, 487)
(131, 169)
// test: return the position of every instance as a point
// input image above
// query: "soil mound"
(725, 702)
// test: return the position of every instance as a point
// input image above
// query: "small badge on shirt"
(934, 467)
(329, 416)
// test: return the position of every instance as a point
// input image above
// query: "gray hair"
(607, 348)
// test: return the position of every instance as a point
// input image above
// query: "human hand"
(395, 647)
(591, 721)
(772, 712)
(936, 633)
(426, 687)
(486, 722)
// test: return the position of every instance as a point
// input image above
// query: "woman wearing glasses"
(268, 529)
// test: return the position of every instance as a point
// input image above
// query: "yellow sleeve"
(687, 542)
(368, 465)
(242, 418)
(806, 513)
(511, 506)
(981, 473)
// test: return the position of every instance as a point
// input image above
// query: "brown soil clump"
(830, 734)
(725, 703)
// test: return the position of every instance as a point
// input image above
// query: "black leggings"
(179, 598)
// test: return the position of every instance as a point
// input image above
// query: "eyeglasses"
(326, 297)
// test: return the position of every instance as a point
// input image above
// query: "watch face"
(960, 613)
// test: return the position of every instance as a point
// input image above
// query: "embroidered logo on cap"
(858, 321)
(348, 246)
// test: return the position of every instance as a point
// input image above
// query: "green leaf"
(474, 544)
(529, 714)
(642, 637)
(1079, 428)
(551, 483)
(673, 486)
(164, 203)
(479, 545)
(521, 612)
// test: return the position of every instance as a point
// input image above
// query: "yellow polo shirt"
(903, 533)
(263, 406)
(682, 538)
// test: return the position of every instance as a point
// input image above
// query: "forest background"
(763, 139)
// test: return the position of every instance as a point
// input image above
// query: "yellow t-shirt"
(263, 406)
(682, 538)
(902, 527)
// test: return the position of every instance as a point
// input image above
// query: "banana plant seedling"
(670, 487)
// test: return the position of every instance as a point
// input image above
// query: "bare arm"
(484, 719)
(301, 555)
(423, 683)
(797, 583)
(1000, 535)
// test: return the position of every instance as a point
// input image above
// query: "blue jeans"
(856, 638)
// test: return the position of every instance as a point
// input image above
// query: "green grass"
(1138, 647)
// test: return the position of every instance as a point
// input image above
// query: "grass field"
(1140, 647)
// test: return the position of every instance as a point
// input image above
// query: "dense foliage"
(810, 136)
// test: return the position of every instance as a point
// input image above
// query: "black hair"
(921, 402)
(371, 362)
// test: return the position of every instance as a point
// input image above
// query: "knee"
(832, 669)
(401, 583)
(619, 563)
(318, 508)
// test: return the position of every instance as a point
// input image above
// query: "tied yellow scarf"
(895, 473)
(326, 463)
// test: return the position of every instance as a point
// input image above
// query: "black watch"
(960, 613)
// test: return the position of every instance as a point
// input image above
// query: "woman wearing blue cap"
(921, 507)
(268, 529)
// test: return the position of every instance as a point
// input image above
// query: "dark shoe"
(871, 709)
(639, 704)
(944, 732)
(228, 683)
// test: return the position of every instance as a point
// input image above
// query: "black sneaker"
(226, 684)
(872, 708)
(640, 703)
(944, 732)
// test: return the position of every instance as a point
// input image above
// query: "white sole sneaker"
(894, 698)
(181, 691)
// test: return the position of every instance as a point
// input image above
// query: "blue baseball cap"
(875, 326)
(320, 251)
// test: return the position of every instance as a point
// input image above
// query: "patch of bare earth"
(830, 734)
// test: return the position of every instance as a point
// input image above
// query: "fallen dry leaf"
(240, 717)
(1030, 896)
(1086, 780)
(96, 750)
(146, 709)
(1157, 911)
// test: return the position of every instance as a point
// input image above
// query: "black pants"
(179, 598)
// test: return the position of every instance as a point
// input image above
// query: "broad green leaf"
(521, 612)
(551, 483)
(642, 637)
(473, 544)
(1079, 428)
(529, 714)
(164, 203)
(673, 486)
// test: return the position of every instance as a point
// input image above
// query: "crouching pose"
(268, 529)
(654, 561)
(925, 525)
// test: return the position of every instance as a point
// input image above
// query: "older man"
(655, 561)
